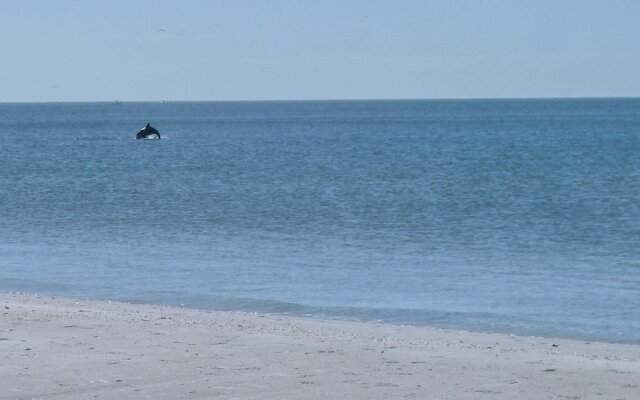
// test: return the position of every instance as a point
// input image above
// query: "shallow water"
(518, 216)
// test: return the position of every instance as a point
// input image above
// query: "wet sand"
(58, 348)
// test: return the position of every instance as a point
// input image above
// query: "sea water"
(519, 216)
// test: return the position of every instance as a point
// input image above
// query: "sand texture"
(56, 348)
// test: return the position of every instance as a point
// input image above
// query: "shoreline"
(61, 348)
(329, 318)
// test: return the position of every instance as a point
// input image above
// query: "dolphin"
(147, 131)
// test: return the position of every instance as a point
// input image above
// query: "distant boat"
(116, 102)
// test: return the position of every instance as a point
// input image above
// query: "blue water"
(518, 216)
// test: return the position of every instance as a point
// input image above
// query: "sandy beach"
(58, 348)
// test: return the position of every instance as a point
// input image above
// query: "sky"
(132, 50)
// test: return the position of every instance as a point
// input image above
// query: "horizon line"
(323, 100)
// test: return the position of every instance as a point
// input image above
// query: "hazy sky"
(232, 50)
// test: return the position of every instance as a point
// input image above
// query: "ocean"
(515, 216)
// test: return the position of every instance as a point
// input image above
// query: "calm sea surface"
(518, 216)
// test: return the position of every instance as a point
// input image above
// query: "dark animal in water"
(148, 131)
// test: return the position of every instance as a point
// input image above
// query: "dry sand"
(56, 348)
